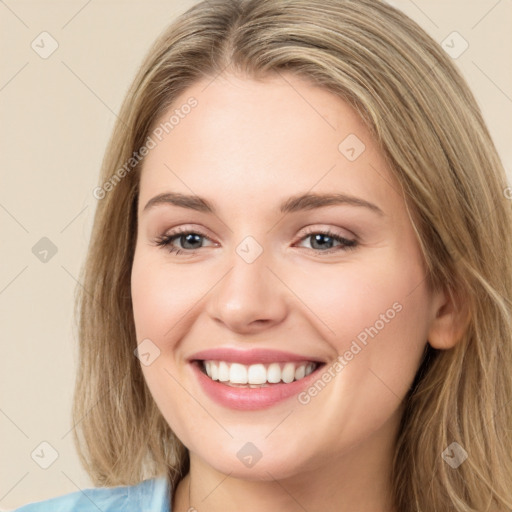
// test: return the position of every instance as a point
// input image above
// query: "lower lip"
(248, 399)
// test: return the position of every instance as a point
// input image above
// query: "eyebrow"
(293, 204)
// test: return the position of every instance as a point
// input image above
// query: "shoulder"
(150, 495)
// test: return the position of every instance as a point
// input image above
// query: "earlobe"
(450, 322)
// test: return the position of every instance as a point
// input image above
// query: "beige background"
(56, 116)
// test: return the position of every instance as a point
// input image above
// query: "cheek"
(378, 312)
(346, 300)
(382, 325)
(161, 300)
(162, 296)
(375, 315)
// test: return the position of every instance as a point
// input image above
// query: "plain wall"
(56, 115)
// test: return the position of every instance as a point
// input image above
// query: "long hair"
(423, 115)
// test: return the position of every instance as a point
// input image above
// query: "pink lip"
(248, 399)
(252, 356)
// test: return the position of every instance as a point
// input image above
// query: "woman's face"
(258, 292)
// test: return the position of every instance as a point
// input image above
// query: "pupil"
(319, 236)
(189, 238)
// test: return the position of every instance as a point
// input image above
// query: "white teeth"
(223, 372)
(214, 369)
(257, 375)
(300, 372)
(238, 374)
(274, 373)
(288, 373)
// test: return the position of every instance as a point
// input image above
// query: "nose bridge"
(249, 293)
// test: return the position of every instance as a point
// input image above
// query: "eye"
(320, 238)
(185, 236)
(326, 238)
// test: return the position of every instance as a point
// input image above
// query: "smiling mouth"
(256, 375)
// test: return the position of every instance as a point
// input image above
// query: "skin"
(247, 146)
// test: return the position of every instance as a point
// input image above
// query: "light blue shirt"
(148, 496)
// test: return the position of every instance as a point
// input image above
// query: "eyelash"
(165, 241)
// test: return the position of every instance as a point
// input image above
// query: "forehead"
(262, 138)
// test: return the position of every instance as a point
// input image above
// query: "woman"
(340, 337)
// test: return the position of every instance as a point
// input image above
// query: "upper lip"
(252, 356)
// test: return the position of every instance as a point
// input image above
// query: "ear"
(450, 319)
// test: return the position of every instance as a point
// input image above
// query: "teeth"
(274, 373)
(300, 372)
(238, 374)
(214, 371)
(288, 373)
(223, 372)
(257, 375)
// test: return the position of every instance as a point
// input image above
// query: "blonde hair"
(431, 131)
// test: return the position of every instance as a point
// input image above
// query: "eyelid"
(165, 241)
(308, 230)
(347, 243)
(316, 228)
(186, 228)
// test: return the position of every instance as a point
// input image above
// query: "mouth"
(253, 379)
(254, 384)
(259, 375)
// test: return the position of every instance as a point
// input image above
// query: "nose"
(250, 297)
